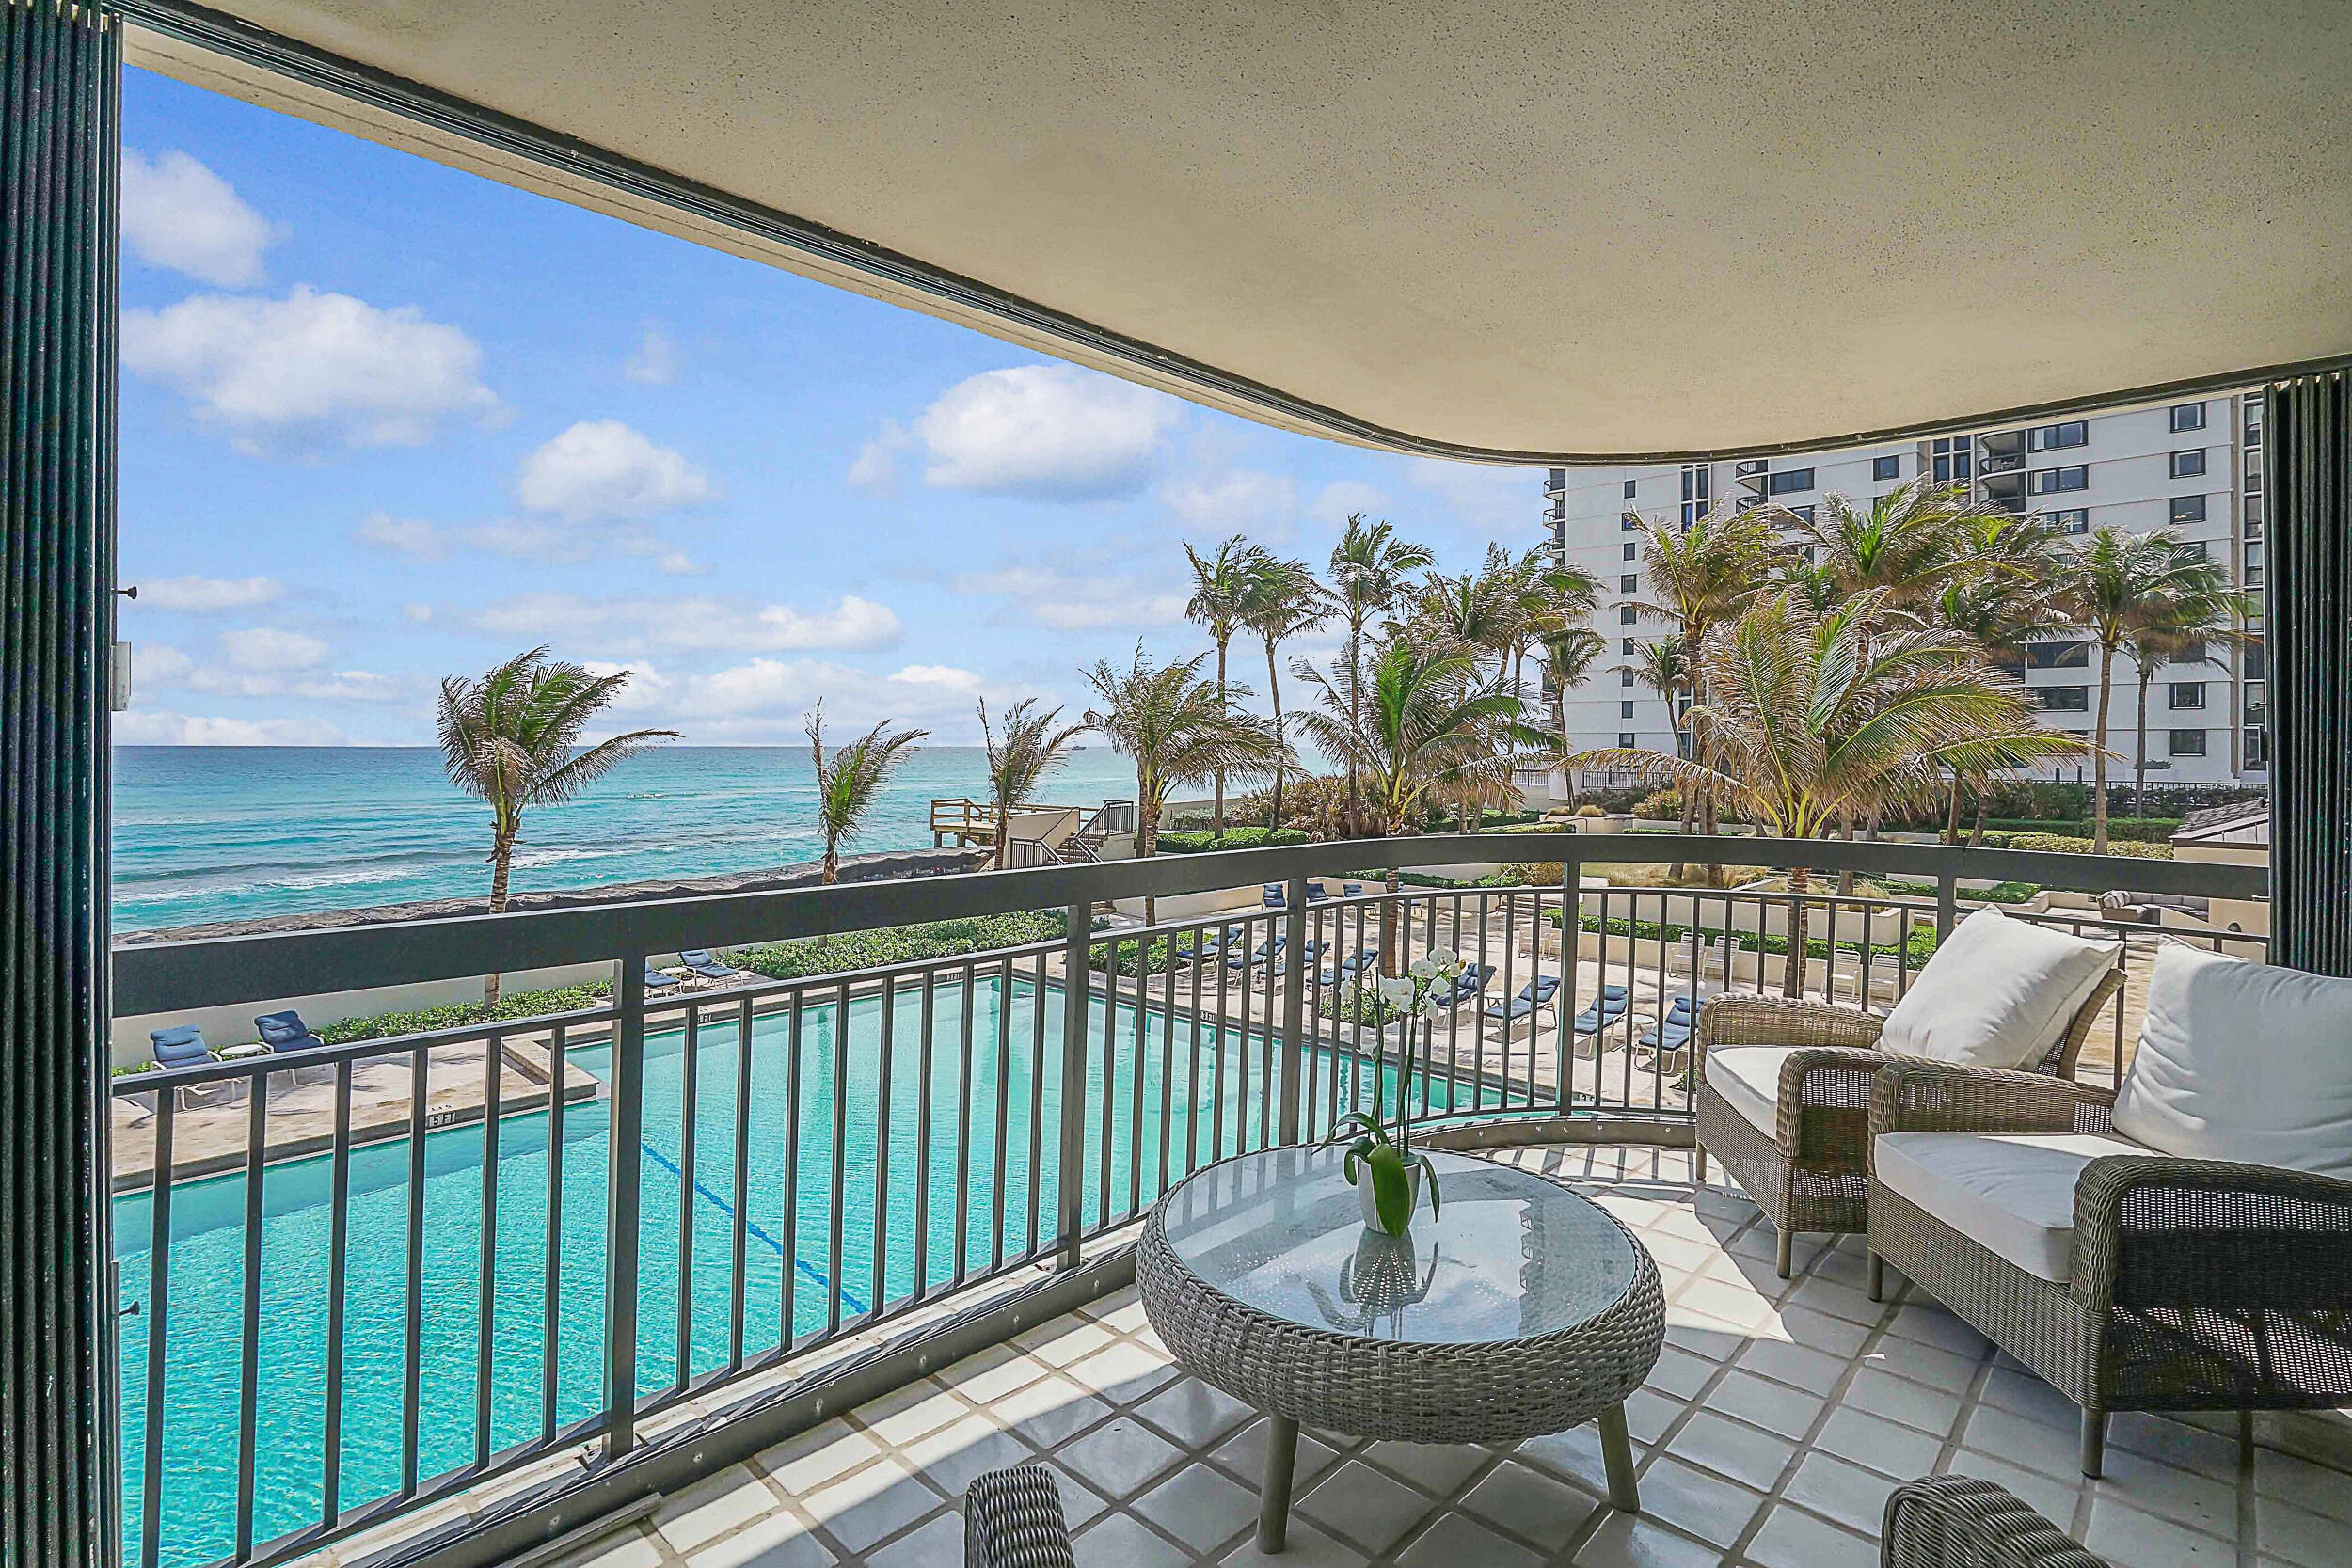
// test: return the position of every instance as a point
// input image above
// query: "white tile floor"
(1778, 1418)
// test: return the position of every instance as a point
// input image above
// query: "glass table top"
(1512, 1255)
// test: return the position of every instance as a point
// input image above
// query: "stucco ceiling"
(1572, 229)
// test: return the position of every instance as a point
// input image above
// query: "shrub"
(1355, 1004)
(2145, 830)
(1664, 806)
(1540, 873)
(2058, 845)
(1589, 810)
(1233, 838)
(895, 944)
(528, 1003)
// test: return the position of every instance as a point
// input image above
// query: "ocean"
(238, 833)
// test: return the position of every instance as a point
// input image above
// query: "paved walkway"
(1778, 1418)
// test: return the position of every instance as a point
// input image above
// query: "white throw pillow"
(1998, 993)
(2242, 1061)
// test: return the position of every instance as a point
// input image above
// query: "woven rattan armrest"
(1914, 1096)
(2153, 1230)
(1818, 1079)
(1961, 1522)
(1777, 1020)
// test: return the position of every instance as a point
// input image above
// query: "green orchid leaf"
(1429, 1177)
(1391, 1190)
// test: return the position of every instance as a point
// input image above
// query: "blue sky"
(383, 422)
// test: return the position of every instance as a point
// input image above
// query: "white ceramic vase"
(1372, 1206)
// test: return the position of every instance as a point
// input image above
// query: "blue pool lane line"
(724, 1207)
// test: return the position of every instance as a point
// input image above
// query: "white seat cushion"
(1748, 1078)
(1998, 993)
(2242, 1061)
(2012, 1193)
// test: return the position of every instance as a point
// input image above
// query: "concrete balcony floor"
(1778, 1418)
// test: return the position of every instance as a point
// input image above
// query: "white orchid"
(1398, 991)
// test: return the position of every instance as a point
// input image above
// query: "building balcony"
(366, 1306)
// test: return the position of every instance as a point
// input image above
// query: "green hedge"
(897, 944)
(2059, 845)
(2000, 892)
(1232, 838)
(520, 1005)
(2141, 830)
(1922, 944)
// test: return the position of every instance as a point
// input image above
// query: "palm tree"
(1220, 595)
(1180, 732)
(849, 783)
(1470, 612)
(2112, 583)
(2178, 632)
(1030, 750)
(1905, 544)
(1283, 600)
(1701, 575)
(1417, 719)
(1664, 667)
(1568, 657)
(2001, 606)
(512, 738)
(1814, 718)
(1545, 596)
(1368, 569)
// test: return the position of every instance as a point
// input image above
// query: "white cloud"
(627, 626)
(1504, 501)
(353, 686)
(310, 368)
(414, 537)
(418, 613)
(656, 359)
(204, 596)
(272, 648)
(751, 699)
(158, 664)
(601, 469)
(876, 468)
(1084, 598)
(1235, 498)
(163, 728)
(178, 213)
(1335, 501)
(1042, 432)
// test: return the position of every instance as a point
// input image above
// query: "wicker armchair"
(1961, 1522)
(1811, 1172)
(2194, 1284)
(1012, 1518)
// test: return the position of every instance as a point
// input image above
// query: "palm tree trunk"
(1146, 842)
(1975, 838)
(1354, 709)
(2139, 751)
(1792, 971)
(1951, 814)
(832, 870)
(1004, 828)
(2099, 757)
(501, 861)
(1274, 689)
(1221, 704)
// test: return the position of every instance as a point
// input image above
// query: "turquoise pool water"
(206, 1254)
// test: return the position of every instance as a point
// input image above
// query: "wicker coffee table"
(1523, 1309)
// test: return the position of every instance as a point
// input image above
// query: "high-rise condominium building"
(2193, 467)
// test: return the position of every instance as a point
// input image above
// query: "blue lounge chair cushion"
(1613, 993)
(1273, 895)
(1537, 994)
(1249, 961)
(1668, 1037)
(1351, 890)
(180, 1044)
(654, 979)
(285, 1031)
(702, 963)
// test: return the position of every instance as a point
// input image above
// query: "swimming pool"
(959, 1205)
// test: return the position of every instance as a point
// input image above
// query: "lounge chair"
(1537, 994)
(179, 1045)
(1468, 985)
(1351, 890)
(1201, 946)
(1317, 892)
(1310, 955)
(655, 980)
(702, 961)
(1605, 1009)
(1276, 895)
(285, 1031)
(1673, 1032)
(1265, 950)
(1351, 967)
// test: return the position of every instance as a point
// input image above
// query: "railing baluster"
(788, 1330)
(1067, 1190)
(412, 1351)
(551, 1315)
(624, 1199)
(485, 1309)
(1004, 1123)
(338, 1256)
(963, 1126)
(1564, 1005)
(837, 1221)
(925, 1034)
(878, 1273)
(249, 1342)
(1110, 1079)
(1135, 1105)
(1293, 1004)
(1037, 1107)
(739, 1263)
(690, 1084)
(158, 1332)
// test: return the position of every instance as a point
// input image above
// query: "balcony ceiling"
(1518, 228)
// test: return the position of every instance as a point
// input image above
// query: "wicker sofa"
(1810, 1170)
(2183, 1284)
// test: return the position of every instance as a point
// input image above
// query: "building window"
(1624, 739)
(2058, 655)
(2188, 694)
(1696, 477)
(1789, 482)
(1629, 583)
(2064, 699)
(2194, 550)
(1953, 458)
(2189, 743)
(2254, 661)
(2045, 482)
(1629, 522)
(2188, 415)
(1625, 616)
(1886, 467)
(2189, 509)
(1628, 549)
(1625, 710)
(1625, 677)
(1556, 478)
(1626, 647)
(2074, 520)
(1628, 489)
(2054, 437)
(1804, 514)
(2188, 465)
(2257, 744)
